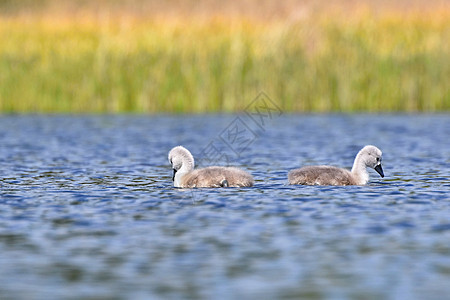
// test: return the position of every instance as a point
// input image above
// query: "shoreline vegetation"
(207, 56)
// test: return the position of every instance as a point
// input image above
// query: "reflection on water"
(87, 210)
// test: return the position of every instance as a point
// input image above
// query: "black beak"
(379, 170)
(175, 171)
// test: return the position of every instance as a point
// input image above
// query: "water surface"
(87, 209)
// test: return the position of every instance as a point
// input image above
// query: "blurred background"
(186, 56)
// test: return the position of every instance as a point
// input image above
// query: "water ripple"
(87, 210)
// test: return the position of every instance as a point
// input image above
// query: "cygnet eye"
(378, 159)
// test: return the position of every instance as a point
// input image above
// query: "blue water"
(87, 209)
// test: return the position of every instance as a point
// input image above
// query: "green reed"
(367, 63)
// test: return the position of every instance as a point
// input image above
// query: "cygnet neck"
(187, 161)
(187, 166)
(359, 169)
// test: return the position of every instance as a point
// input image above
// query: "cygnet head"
(371, 157)
(181, 160)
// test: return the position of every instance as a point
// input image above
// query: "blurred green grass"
(382, 63)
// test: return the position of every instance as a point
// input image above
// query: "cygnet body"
(369, 156)
(185, 176)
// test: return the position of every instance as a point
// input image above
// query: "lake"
(87, 209)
